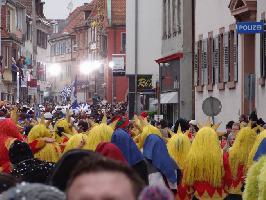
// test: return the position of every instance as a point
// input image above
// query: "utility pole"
(136, 54)
(34, 55)
(34, 39)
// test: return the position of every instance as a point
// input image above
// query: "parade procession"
(132, 100)
(80, 153)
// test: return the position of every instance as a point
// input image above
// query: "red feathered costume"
(9, 132)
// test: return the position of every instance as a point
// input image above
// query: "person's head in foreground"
(33, 191)
(103, 179)
(156, 192)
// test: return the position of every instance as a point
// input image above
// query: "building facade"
(144, 43)
(176, 60)
(261, 62)
(229, 66)
(13, 18)
(116, 81)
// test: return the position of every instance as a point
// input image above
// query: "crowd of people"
(95, 152)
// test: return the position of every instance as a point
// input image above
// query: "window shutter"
(216, 60)
(210, 61)
(196, 64)
(204, 68)
(235, 56)
(226, 57)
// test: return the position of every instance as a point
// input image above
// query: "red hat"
(144, 114)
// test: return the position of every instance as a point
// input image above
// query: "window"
(226, 57)
(123, 42)
(210, 60)
(198, 63)
(41, 39)
(164, 20)
(179, 16)
(28, 31)
(221, 58)
(263, 53)
(20, 18)
(174, 17)
(8, 21)
(103, 43)
(7, 57)
(216, 60)
(233, 56)
(204, 68)
(169, 19)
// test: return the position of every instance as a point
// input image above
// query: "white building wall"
(149, 37)
(260, 91)
(211, 15)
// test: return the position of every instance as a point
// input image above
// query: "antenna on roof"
(70, 6)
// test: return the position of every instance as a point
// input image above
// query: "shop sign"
(144, 83)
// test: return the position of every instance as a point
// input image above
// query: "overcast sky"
(57, 9)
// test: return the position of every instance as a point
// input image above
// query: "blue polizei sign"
(250, 27)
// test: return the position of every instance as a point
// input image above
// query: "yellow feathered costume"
(252, 181)
(238, 154)
(50, 151)
(178, 147)
(98, 134)
(255, 147)
(77, 141)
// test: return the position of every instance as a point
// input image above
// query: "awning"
(170, 97)
(166, 59)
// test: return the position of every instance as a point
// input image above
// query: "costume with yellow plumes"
(64, 129)
(236, 162)
(203, 169)
(46, 148)
(77, 141)
(144, 130)
(255, 181)
(255, 147)
(9, 132)
(98, 134)
(178, 147)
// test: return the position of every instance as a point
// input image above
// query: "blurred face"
(235, 127)
(101, 186)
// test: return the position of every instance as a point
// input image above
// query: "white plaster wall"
(173, 45)
(210, 16)
(260, 91)
(149, 37)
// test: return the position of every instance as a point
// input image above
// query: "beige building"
(224, 61)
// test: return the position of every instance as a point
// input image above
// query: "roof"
(75, 19)
(118, 12)
(28, 5)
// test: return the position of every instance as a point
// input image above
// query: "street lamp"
(87, 67)
(54, 70)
